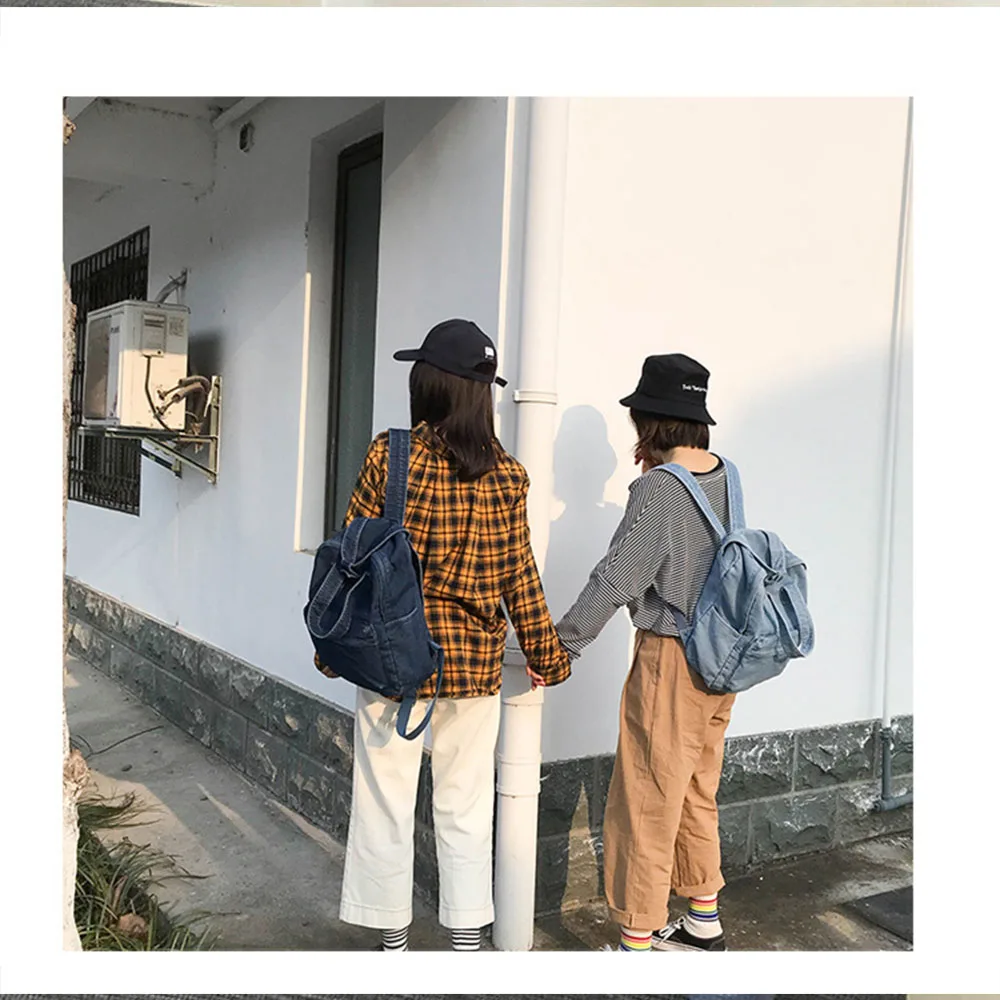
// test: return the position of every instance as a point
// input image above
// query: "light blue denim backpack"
(751, 617)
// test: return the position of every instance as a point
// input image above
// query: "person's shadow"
(582, 713)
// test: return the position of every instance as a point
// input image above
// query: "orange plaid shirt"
(474, 547)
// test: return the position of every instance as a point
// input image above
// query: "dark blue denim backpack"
(366, 603)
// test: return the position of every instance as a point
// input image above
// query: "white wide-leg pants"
(378, 873)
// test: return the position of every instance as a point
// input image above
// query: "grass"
(115, 906)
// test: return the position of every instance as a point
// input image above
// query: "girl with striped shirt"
(661, 830)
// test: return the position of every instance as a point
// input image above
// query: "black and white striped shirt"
(660, 555)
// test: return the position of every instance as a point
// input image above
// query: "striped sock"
(633, 940)
(396, 940)
(702, 917)
(466, 939)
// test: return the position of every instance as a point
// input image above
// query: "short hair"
(659, 435)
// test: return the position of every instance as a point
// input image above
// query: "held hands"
(537, 680)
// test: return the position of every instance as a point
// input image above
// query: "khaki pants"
(661, 823)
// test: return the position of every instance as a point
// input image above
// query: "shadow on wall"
(205, 352)
(584, 461)
(405, 141)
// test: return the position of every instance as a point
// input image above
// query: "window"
(105, 471)
(355, 288)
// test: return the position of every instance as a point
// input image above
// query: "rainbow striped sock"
(632, 940)
(702, 917)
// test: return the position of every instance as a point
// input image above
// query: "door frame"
(351, 157)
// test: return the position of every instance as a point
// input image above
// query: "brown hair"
(461, 412)
(658, 436)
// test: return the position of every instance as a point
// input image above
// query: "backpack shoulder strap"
(403, 716)
(734, 490)
(396, 480)
(697, 494)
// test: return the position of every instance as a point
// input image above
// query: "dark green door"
(352, 375)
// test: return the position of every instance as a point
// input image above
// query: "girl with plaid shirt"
(466, 512)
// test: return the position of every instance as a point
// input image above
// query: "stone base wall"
(782, 794)
(292, 743)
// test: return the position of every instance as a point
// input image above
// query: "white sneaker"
(676, 937)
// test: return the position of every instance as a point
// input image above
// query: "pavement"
(271, 880)
(795, 905)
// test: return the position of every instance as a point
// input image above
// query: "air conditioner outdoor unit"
(133, 352)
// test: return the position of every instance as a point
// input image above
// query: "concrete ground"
(795, 905)
(272, 879)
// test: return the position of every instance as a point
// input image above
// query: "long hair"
(658, 435)
(460, 410)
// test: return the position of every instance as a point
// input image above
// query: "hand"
(537, 680)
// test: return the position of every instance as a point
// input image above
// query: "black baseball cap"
(672, 385)
(457, 346)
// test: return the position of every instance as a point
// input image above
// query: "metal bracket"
(171, 443)
(174, 466)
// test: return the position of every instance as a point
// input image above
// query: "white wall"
(758, 236)
(167, 146)
(900, 624)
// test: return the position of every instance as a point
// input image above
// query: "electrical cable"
(179, 394)
(149, 396)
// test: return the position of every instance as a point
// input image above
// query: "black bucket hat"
(457, 346)
(672, 385)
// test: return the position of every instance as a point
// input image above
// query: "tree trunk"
(74, 766)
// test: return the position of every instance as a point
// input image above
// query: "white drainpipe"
(535, 288)
(888, 801)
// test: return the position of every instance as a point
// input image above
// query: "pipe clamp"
(519, 777)
(535, 396)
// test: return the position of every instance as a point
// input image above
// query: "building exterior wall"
(230, 564)
(757, 236)
(439, 253)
